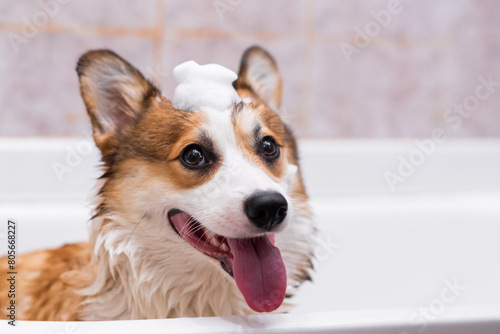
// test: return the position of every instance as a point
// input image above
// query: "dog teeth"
(215, 242)
(224, 247)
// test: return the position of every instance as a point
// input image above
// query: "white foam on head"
(204, 87)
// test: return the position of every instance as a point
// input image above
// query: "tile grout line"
(158, 34)
(155, 31)
(84, 30)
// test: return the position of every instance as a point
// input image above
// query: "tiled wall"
(425, 57)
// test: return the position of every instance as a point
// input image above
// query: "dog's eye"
(269, 147)
(193, 156)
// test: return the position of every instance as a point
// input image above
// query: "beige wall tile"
(423, 61)
(258, 15)
(39, 86)
(467, 61)
(386, 91)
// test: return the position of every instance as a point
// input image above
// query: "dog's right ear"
(115, 94)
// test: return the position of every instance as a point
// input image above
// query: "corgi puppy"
(201, 209)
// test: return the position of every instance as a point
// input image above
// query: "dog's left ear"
(259, 73)
(115, 94)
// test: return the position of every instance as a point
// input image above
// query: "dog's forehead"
(245, 116)
(238, 123)
(209, 89)
(243, 124)
(220, 127)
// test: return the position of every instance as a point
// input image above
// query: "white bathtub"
(424, 258)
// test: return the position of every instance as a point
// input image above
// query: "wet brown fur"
(42, 293)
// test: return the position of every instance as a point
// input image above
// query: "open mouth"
(255, 263)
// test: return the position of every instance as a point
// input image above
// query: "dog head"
(199, 187)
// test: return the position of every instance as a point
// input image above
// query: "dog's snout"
(266, 210)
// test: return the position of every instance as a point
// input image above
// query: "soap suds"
(204, 87)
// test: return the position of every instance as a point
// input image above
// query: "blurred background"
(356, 68)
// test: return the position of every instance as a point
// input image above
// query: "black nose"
(266, 210)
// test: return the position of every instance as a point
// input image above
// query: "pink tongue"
(259, 272)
